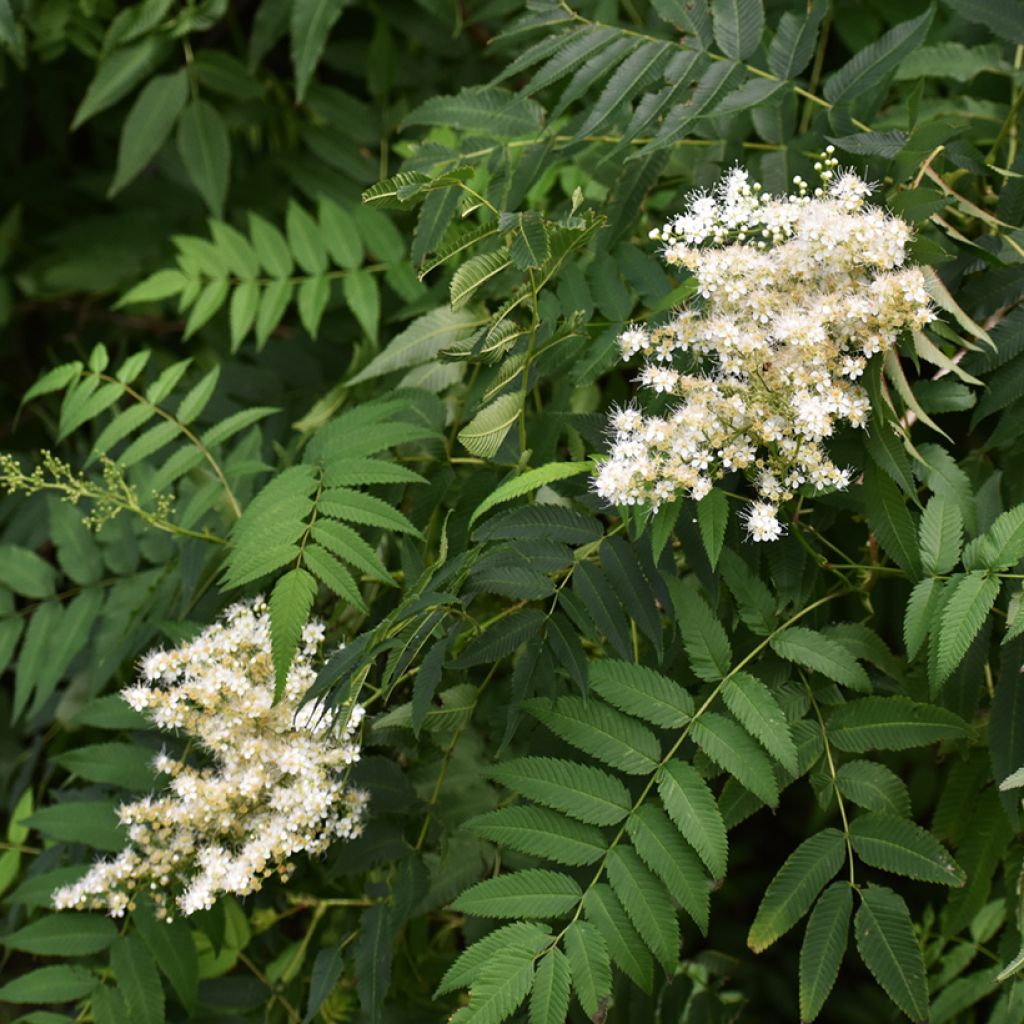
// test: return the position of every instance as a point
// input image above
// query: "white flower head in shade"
(794, 295)
(270, 783)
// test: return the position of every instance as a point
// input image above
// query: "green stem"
(835, 778)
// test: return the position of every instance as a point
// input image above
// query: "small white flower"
(796, 294)
(761, 521)
(268, 787)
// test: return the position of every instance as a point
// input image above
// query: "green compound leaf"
(646, 902)
(63, 935)
(941, 535)
(874, 787)
(706, 642)
(793, 46)
(875, 62)
(759, 713)
(738, 25)
(542, 833)
(692, 807)
(601, 731)
(603, 909)
(591, 968)
(735, 752)
(891, 723)
(311, 24)
(662, 849)
(549, 999)
(889, 949)
(642, 692)
(926, 599)
(894, 844)
(485, 432)
(824, 945)
(1001, 546)
(174, 950)
(148, 125)
(796, 886)
(535, 892)
(529, 481)
(57, 984)
(970, 599)
(137, 978)
(822, 654)
(528, 936)
(290, 604)
(498, 990)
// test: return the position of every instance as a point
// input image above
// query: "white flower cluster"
(273, 784)
(795, 294)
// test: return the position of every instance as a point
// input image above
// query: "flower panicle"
(795, 294)
(271, 784)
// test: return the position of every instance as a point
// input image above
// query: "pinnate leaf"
(645, 901)
(891, 723)
(641, 691)
(759, 713)
(894, 844)
(796, 886)
(549, 998)
(822, 654)
(692, 807)
(600, 731)
(535, 892)
(825, 940)
(889, 949)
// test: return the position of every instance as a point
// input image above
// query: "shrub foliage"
(321, 301)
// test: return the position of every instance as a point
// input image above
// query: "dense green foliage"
(319, 299)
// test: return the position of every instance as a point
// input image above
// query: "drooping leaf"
(886, 942)
(825, 940)
(290, 604)
(796, 886)
(311, 24)
(148, 126)
(591, 969)
(549, 997)
(205, 151)
(643, 897)
(712, 519)
(137, 979)
(706, 642)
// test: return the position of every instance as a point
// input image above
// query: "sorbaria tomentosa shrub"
(514, 510)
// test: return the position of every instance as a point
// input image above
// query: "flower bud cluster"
(795, 293)
(271, 784)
